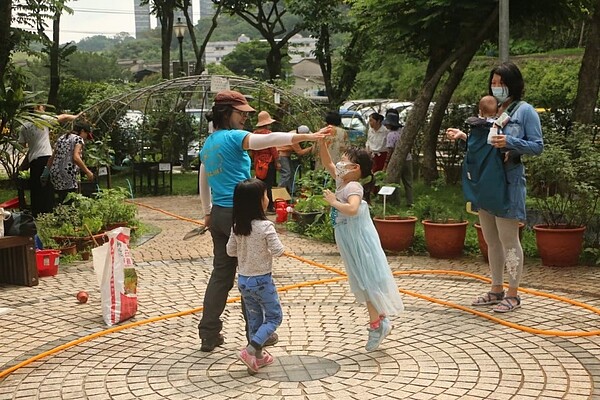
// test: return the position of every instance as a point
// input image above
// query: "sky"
(105, 17)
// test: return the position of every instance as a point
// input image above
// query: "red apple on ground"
(82, 297)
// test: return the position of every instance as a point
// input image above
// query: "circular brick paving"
(298, 369)
(433, 352)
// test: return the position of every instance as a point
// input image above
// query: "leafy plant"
(314, 181)
(312, 203)
(391, 201)
(431, 209)
(565, 178)
(114, 209)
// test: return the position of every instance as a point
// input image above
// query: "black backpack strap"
(514, 107)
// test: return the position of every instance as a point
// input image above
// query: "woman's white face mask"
(500, 93)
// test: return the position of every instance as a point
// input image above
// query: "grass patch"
(185, 183)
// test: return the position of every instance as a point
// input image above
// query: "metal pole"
(181, 71)
(503, 28)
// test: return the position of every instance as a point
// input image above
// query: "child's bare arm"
(326, 157)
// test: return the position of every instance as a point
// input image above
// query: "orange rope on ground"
(194, 221)
(330, 280)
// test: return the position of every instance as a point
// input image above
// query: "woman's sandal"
(490, 298)
(507, 305)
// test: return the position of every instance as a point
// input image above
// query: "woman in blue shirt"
(224, 163)
(522, 135)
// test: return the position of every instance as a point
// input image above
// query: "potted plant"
(565, 181)
(444, 232)
(308, 209)
(79, 222)
(396, 232)
(310, 205)
(115, 210)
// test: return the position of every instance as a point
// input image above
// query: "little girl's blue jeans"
(263, 310)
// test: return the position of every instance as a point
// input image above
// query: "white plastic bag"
(113, 266)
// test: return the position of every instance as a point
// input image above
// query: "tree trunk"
(589, 73)
(323, 54)
(55, 60)
(274, 63)
(430, 171)
(418, 114)
(8, 42)
(200, 54)
(350, 67)
(166, 34)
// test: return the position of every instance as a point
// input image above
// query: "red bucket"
(281, 210)
(47, 262)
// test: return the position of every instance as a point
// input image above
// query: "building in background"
(215, 51)
(300, 48)
(142, 18)
(207, 9)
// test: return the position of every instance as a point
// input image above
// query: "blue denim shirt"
(523, 136)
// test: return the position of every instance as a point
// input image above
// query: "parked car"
(369, 106)
(354, 123)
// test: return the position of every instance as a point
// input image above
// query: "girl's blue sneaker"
(376, 336)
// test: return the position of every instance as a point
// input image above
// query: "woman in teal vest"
(521, 135)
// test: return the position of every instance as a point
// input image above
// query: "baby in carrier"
(484, 181)
(485, 122)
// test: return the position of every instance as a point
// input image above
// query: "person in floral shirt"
(67, 161)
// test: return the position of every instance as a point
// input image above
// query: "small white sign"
(276, 98)
(102, 171)
(386, 190)
(164, 166)
(218, 84)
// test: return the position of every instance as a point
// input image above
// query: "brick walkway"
(433, 352)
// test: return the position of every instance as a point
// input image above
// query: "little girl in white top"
(254, 242)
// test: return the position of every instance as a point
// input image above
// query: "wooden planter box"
(17, 261)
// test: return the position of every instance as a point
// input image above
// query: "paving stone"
(432, 352)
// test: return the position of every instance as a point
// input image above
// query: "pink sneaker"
(249, 360)
(266, 359)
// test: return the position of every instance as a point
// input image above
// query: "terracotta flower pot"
(483, 245)
(70, 250)
(559, 246)
(445, 240)
(396, 233)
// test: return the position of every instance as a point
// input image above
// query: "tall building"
(207, 8)
(142, 18)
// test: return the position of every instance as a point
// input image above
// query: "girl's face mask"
(341, 168)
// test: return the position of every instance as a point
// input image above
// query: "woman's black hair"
(377, 117)
(220, 115)
(365, 162)
(511, 77)
(248, 205)
(333, 118)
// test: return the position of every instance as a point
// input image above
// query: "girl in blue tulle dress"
(369, 274)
